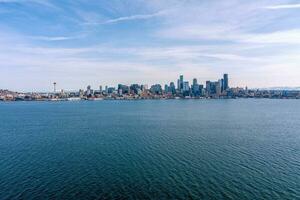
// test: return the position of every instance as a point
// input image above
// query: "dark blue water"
(175, 149)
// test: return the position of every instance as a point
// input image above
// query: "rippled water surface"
(174, 149)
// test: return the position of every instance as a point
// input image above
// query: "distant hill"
(281, 88)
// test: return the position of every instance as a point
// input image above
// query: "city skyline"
(76, 44)
(183, 89)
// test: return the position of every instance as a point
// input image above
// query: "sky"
(105, 42)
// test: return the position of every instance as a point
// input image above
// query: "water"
(174, 149)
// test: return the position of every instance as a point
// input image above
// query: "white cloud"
(224, 33)
(134, 17)
(277, 37)
(199, 32)
(283, 6)
(39, 2)
(231, 21)
(129, 18)
(57, 38)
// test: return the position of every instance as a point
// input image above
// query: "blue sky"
(100, 42)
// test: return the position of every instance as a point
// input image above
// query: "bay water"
(150, 149)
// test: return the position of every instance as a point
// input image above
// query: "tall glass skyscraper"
(181, 82)
(225, 79)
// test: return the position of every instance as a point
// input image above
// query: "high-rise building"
(123, 88)
(195, 81)
(225, 78)
(110, 90)
(218, 87)
(208, 88)
(54, 87)
(89, 92)
(222, 85)
(172, 88)
(120, 91)
(181, 81)
(195, 88)
(135, 88)
(186, 86)
(201, 89)
(166, 88)
(213, 88)
(100, 88)
(156, 89)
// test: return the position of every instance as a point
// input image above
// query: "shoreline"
(146, 99)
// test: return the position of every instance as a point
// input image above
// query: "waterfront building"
(54, 87)
(225, 79)
(222, 85)
(144, 87)
(207, 87)
(120, 91)
(135, 88)
(172, 88)
(89, 91)
(202, 90)
(195, 82)
(110, 90)
(156, 89)
(213, 89)
(181, 82)
(186, 88)
(166, 88)
(195, 88)
(123, 88)
(81, 93)
(218, 86)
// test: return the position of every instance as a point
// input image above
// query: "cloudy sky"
(79, 42)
